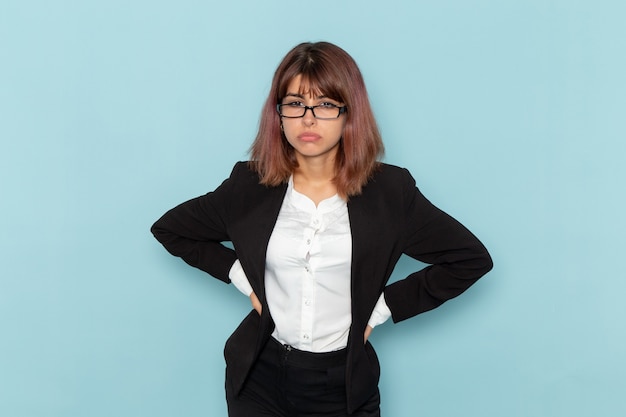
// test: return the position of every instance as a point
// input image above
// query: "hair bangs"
(318, 83)
(317, 79)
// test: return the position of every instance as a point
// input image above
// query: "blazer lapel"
(366, 228)
(253, 231)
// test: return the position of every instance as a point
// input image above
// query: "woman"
(317, 225)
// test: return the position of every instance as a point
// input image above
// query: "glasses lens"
(327, 112)
(291, 110)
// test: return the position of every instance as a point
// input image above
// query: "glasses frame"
(342, 110)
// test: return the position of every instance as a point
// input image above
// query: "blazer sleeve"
(456, 258)
(195, 230)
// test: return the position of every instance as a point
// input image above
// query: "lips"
(308, 137)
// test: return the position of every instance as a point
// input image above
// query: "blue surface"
(510, 114)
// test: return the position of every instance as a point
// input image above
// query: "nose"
(308, 118)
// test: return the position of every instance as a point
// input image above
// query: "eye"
(293, 104)
(327, 105)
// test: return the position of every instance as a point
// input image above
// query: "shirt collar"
(302, 202)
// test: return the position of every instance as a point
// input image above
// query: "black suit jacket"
(389, 218)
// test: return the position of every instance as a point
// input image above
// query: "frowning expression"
(309, 136)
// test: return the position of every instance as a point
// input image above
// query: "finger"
(256, 304)
(368, 332)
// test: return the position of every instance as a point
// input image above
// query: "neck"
(317, 170)
(314, 173)
(314, 178)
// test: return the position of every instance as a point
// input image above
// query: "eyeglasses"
(326, 111)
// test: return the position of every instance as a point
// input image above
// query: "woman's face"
(311, 138)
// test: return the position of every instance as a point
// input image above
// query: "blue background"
(510, 114)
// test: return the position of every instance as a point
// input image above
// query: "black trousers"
(287, 382)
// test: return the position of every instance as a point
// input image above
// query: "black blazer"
(389, 218)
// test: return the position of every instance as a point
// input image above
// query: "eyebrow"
(302, 96)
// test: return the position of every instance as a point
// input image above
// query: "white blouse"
(307, 275)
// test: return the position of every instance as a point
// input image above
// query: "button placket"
(307, 307)
(308, 237)
(308, 283)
